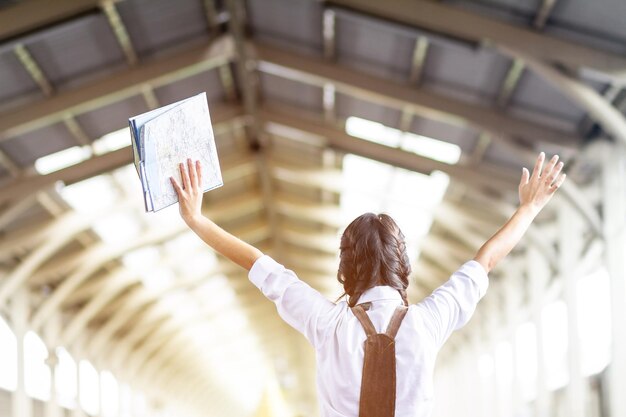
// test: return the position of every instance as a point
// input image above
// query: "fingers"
(554, 174)
(176, 187)
(538, 166)
(199, 174)
(558, 182)
(525, 177)
(192, 174)
(546, 175)
(185, 176)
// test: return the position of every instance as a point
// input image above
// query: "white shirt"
(337, 335)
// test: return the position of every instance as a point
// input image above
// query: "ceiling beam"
(122, 85)
(121, 34)
(543, 14)
(55, 237)
(609, 117)
(400, 96)
(27, 16)
(457, 23)
(418, 61)
(510, 82)
(339, 140)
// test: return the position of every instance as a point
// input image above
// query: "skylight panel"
(62, 159)
(112, 141)
(438, 150)
(373, 131)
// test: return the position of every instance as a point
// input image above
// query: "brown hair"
(373, 252)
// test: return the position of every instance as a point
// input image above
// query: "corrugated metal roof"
(208, 82)
(291, 92)
(107, 119)
(14, 79)
(76, 48)
(298, 22)
(154, 25)
(25, 149)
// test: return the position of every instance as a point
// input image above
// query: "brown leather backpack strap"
(360, 314)
(396, 321)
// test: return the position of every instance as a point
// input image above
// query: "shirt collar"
(379, 293)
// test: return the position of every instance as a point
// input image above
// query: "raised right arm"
(534, 193)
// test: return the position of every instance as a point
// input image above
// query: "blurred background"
(322, 110)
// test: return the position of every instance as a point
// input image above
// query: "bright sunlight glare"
(421, 145)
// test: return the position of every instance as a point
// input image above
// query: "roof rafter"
(397, 95)
(124, 84)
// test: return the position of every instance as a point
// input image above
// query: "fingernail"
(542, 154)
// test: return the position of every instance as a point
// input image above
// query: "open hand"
(190, 194)
(536, 190)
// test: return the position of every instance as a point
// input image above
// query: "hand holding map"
(164, 138)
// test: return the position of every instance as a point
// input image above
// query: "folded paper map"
(165, 137)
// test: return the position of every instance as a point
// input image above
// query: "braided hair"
(373, 252)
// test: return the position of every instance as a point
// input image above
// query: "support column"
(489, 331)
(52, 329)
(570, 251)
(614, 210)
(513, 303)
(503, 382)
(22, 404)
(538, 276)
(78, 411)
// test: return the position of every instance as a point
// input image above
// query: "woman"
(375, 353)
